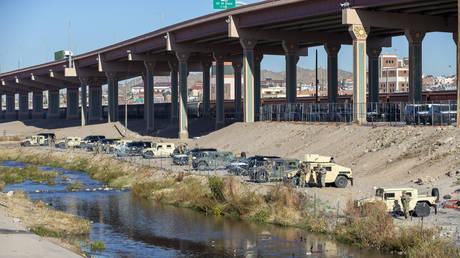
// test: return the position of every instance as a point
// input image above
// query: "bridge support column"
(183, 74)
(37, 104)
(72, 103)
(53, 104)
(455, 36)
(149, 96)
(237, 65)
(220, 117)
(112, 83)
(415, 39)
(1, 102)
(332, 71)
(10, 106)
(95, 101)
(359, 34)
(83, 98)
(206, 65)
(373, 66)
(257, 94)
(23, 106)
(174, 91)
(290, 50)
(248, 69)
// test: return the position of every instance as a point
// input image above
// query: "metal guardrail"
(427, 113)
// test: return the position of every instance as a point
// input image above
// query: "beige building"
(394, 74)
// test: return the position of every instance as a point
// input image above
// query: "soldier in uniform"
(405, 200)
(321, 176)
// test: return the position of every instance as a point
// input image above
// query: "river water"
(135, 227)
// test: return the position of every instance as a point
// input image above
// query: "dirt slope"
(378, 156)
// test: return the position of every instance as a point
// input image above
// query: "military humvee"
(69, 142)
(35, 140)
(158, 150)
(273, 169)
(212, 159)
(394, 199)
(317, 170)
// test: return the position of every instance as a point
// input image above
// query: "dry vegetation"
(39, 217)
(281, 204)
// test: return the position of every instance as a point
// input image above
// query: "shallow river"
(134, 227)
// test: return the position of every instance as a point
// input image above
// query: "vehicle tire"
(148, 155)
(27, 144)
(261, 176)
(294, 181)
(435, 192)
(202, 165)
(422, 209)
(61, 145)
(45, 143)
(82, 145)
(341, 182)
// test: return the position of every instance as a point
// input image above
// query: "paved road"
(26, 244)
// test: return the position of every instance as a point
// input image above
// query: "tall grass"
(15, 175)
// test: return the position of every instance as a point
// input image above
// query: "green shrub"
(45, 232)
(216, 185)
(97, 245)
(75, 186)
(260, 216)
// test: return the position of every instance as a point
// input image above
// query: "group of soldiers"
(312, 175)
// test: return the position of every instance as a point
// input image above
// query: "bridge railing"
(441, 113)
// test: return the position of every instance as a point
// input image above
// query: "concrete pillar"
(53, 104)
(220, 117)
(206, 65)
(174, 91)
(415, 39)
(248, 69)
(37, 104)
(257, 60)
(72, 103)
(183, 74)
(112, 83)
(148, 96)
(95, 101)
(237, 65)
(83, 102)
(1, 102)
(359, 35)
(455, 36)
(373, 67)
(332, 71)
(10, 106)
(290, 50)
(23, 106)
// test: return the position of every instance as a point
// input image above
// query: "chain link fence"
(393, 113)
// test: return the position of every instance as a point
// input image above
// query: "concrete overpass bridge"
(242, 36)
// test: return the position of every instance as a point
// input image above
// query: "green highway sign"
(224, 4)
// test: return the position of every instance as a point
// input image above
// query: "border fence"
(393, 113)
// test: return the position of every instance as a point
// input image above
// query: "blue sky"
(33, 30)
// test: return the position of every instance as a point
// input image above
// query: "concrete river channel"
(134, 227)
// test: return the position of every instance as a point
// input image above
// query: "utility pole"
(316, 76)
(126, 108)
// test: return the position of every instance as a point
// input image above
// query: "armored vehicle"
(242, 167)
(68, 142)
(158, 150)
(133, 148)
(89, 140)
(212, 160)
(404, 201)
(182, 159)
(35, 140)
(317, 170)
(49, 137)
(273, 170)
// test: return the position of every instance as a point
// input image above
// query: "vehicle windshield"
(379, 192)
